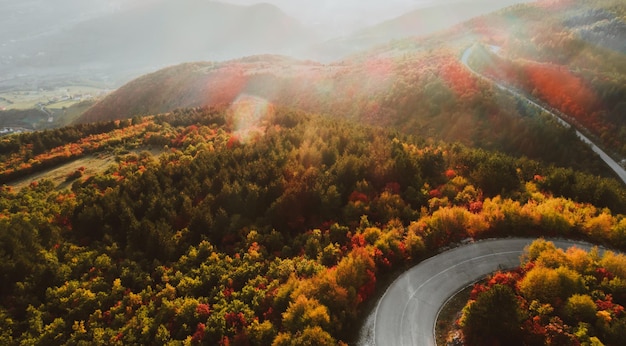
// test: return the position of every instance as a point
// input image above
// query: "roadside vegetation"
(556, 297)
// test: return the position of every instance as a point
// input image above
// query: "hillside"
(267, 200)
(572, 60)
(254, 224)
(420, 86)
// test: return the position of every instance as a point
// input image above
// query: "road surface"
(619, 170)
(407, 312)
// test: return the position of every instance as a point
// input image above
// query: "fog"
(337, 18)
(110, 41)
(343, 17)
(331, 17)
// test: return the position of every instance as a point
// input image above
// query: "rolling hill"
(418, 85)
(252, 223)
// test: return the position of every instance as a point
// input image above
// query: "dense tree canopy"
(208, 231)
(559, 297)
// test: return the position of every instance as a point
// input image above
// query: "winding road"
(619, 170)
(407, 312)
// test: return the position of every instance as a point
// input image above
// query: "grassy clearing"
(93, 164)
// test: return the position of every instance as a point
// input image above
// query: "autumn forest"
(276, 235)
(270, 201)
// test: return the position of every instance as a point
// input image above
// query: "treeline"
(40, 141)
(275, 233)
(556, 297)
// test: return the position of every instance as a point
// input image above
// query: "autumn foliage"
(280, 239)
(556, 297)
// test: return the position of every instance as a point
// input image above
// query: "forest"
(555, 297)
(253, 224)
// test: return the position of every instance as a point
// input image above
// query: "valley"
(29, 110)
(52, 98)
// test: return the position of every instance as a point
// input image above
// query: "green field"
(51, 98)
(47, 108)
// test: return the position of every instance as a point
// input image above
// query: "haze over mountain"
(116, 40)
(343, 18)
(420, 85)
(427, 19)
(107, 42)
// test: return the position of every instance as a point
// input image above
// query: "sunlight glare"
(248, 115)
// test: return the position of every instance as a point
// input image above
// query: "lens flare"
(248, 116)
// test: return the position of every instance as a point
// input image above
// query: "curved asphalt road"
(619, 170)
(407, 312)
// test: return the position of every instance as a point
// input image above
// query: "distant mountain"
(26, 19)
(420, 22)
(152, 35)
